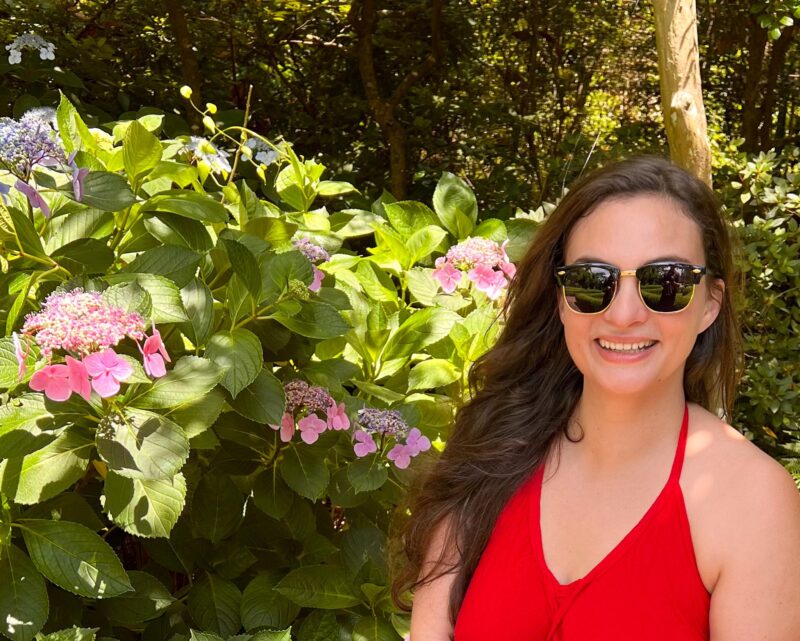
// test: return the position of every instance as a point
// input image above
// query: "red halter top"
(647, 587)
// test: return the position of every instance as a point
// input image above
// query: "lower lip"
(623, 357)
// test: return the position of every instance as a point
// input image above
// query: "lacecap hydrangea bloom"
(484, 262)
(315, 254)
(47, 50)
(205, 151)
(28, 142)
(384, 424)
(84, 328)
(311, 410)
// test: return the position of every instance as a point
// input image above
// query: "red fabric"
(647, 587)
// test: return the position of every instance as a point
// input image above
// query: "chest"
(583, 523)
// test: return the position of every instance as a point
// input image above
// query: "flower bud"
(260, 173)
(209, 123)
(186, 91)
(211, 108)
(246, 151)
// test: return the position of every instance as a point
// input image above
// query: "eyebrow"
(671, 258)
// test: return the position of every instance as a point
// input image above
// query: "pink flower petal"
(105, 385)
(79, 378)
(319, 276)
(154, 365)
(400, 455)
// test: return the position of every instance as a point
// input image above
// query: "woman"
(589, 491)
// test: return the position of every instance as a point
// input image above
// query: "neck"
(619, 430)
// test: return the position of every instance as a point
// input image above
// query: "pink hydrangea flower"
(488, 280)
(447, 275)
(154, 354)
(365, 444)
(311, 427)
(400, 456)
(337, 417)
(286, 427)
(319, 276)
(53, 380)
(107, 370)
(78, 377)
(416, 442)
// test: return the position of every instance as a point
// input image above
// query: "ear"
(713, 303)
(562, 306)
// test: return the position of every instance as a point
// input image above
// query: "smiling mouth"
(626, 348)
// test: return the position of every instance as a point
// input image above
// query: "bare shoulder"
(736, 496)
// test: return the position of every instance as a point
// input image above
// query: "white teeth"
(625, 347)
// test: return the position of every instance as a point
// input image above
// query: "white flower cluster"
(47, 50)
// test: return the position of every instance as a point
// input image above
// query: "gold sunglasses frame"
(698, 270)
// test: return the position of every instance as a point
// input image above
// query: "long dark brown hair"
(525, 389)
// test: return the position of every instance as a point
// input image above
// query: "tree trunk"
(189, 67)
(681, 90)
(384, 110)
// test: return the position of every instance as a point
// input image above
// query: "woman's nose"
(627, 307)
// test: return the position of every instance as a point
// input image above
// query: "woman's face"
(628, 233)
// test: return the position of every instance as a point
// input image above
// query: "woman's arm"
(757, 596)
(430, 618)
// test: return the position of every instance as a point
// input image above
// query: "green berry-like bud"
(186, 91)
(298, 289)
(208, 123)
(211, 108)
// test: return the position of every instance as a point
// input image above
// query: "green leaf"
(87, 223)
(196, 416)
(178, 231)
(141, 151)
(198, 301)
(24, 605)
(147, 601)
(423, 242)
(170, 261)
(71, 634)
(377, 284)
(368, 473)
(272, 635)
(138, 444)
(164, 295)
(263, 607)
(290, 187)
(492, 229)
(455, 205)
(186, 382)
(423, 328)
(374, 629)
(9, 369)
(67, 506)
(74, 558)
(84, 256)
(328, 188)
(48, 471)
(25, 233)
(204, 636)
(271, 495)
(319, 586)
(188, 204)
(304, 470)
(263, 400)
(26, 425)
(315, 320)
(319, 625)
(217, 507)
(130, 297)
(520, 234)
(72, 130)
(144, 507)
(278, 269)
(214, 605)
(107, 191)
(274, 230)
(244, 265)
(422, 286)
(408, 216)
(436, 372)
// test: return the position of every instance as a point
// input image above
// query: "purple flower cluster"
(315, 254)
(84, 325)
(28, 142)
(311, 410)
(484, 262)
(388, 423)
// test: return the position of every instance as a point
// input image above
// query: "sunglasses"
(666, 288)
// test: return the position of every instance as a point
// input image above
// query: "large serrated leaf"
(107, 191)
(239, 355)
(314, 320)
(141, 150)
(304, 470)
(217, 507)
(26, 425)
(368, 473)
(199, 304)
(319, 586)
(187, 204)
(374, 629)
(144, 507)
(44, 473)
(424, 328)
(147, 601)
(23, 598)
(214, 605)
(74, 558)
(263, 607)
(164, 295)
(186, 382)
(263, 400)
(455, 205)
(178, 264)
(139, 444)
(9, 367)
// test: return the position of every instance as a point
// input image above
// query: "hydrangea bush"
(218, 371)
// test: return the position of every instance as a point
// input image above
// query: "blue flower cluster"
(28, 142)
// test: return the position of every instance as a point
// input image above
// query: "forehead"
(629, 232)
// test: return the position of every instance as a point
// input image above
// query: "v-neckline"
(626, 541)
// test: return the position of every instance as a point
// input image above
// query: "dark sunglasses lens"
(666, 288)
(588, 288)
